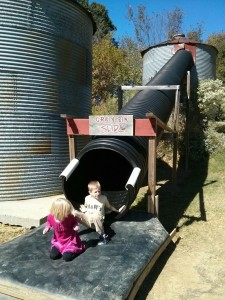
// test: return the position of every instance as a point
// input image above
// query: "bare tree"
(196, 33)
(154, 28)
(174, 22)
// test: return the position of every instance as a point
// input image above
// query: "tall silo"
(45, 71)
(204, 55)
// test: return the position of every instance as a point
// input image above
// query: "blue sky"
(210, 13)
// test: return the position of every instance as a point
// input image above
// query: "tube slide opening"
(110, 168)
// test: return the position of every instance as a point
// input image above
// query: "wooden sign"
(111, 125)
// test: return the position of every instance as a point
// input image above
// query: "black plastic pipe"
(112, 159)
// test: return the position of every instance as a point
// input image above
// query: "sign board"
(111, 125)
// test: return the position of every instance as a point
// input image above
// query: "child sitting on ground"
(92, 213)
(65, 241)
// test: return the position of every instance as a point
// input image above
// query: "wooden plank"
(159, 122)
(18, 291)
(142, 127)
(116, 125)
(137, 284)
(149, 87)
(157, 206)
(188, 84)
(65, 116)
(151, 203)
(152, 172)
(174, 168)
(71, 146)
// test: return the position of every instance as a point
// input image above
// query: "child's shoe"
(103, 239)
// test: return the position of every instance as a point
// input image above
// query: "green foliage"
(206, 109)
(103, 22)
(101, 17)
(211, 99)
(220, 127)
(214, 140)
(218, 41)
(109, 107)
(84, 3)
(133, 60)
(111, 68)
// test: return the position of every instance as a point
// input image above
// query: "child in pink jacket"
(65, 242)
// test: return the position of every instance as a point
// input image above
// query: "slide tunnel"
(120, 163)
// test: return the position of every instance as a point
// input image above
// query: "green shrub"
(211, 99)
(207, 115)
(110, 107)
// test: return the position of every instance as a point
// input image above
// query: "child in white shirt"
(92, 213)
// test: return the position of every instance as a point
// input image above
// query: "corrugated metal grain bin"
(155, 57)
(45, 71)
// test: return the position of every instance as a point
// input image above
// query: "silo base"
(108, 271)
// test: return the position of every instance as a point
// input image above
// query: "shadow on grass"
(172, 207)
(173, 202)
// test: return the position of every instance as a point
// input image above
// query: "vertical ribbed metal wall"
(153, 60)
(157, 56)
(45, 71)
(205, 62)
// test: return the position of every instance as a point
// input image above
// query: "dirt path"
(194, 267)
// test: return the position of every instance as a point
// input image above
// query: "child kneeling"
(65, 242)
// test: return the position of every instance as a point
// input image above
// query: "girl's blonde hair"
(61, 208)
(94, 184)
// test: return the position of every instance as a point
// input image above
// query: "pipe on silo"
(112, 160)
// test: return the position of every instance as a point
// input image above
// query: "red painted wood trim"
(145, 127)
(77, 126)
(142, 127)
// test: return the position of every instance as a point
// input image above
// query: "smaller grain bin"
(204, 56)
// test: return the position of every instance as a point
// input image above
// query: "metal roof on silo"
(45, 71)
(156, 56)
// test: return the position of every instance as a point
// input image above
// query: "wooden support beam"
(157, 206)
(187, 126)
(174, 168)
(120, 98)
(72, 153)
(159, 122)
(176, 111)
(188, 84)
(152, 173)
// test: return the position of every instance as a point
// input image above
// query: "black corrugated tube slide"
(120, 163)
